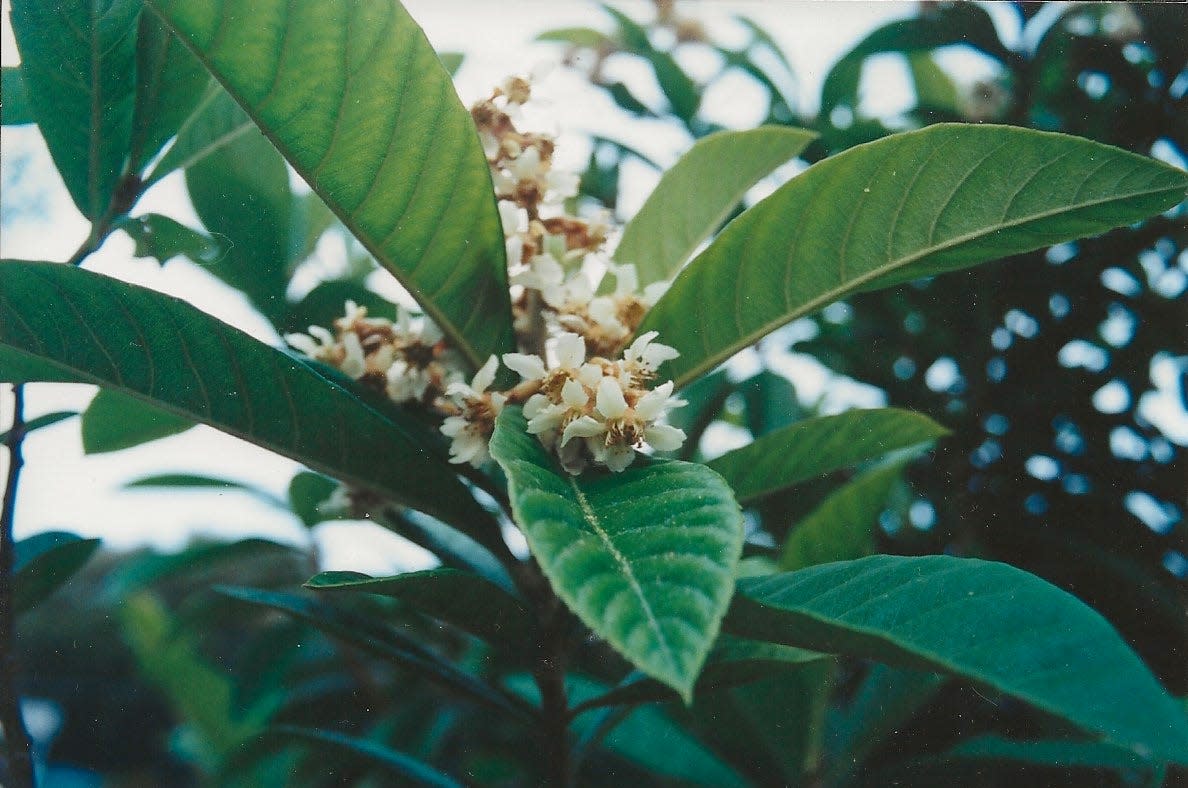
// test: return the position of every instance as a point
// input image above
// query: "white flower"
(570, 351)
(470, 431)
(528, 367)
(644, 356)
(560, 186)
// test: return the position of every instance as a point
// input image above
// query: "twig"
(20, 753)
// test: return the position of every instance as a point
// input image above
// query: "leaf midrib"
(833, 294)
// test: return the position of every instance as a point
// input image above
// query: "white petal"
(611, 403)
(571, 351)
(515, 251)
(562, 185)
(579, 289)
(639, 345)
(574, 394)
(652, 292)
(664, 437)
(548, 269)
(652, 405)
(431, 333)
(486, 374)
(322, 335)
(590, 375)
(602, 309)
(527, 165)
(656, 354)
(548, 419)
(353, 364)
(529, 367)
(582, 427)
(460, 389)
(618, 457)
(626, 279)
(497, 402)
(303, 343)
(509, 217)
(535, 404)
(453, 425)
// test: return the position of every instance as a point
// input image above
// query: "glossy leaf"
(78, 58)
(163, 239)
(843, 526)
(167, 353)
(14, 100)
(43, 562)
(170, 83)
(407, 769)
(356, 99)
(115, 421)
(462, 599)
(908, 206)
(986, 622)
(644, 557)
(697, 193)
(217, 121)
(819, 446)
(38, 422)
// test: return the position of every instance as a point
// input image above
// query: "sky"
(63, 489)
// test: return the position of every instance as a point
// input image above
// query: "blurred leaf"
(843, 526)
(732, 662)
(1022, 637)
(577, 36)
(645, 557)
(680, 90)
(461, 599)
(41, 421)
(14, 100)
(372, 122)
(935, 90)
(115, 421)
(622, 95)
(916, 204)
(1061, 753)
(819, 446)
(409, 770)
(771, 402)
(145, 570)
(308, 491)
(217, 121)
(163, 238)
(705, 397)
(697, 193)
(78, 58)
(197, 482)
(170, 83)
(453, 548)
(43, 562)
(311, 219)
(165, 352)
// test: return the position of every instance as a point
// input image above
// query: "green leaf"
(145, 570)
(733, 662)
(170, 82)
(986, 622)
(697, 193)
(197, 482)
(912, 205)
(771, 402)
(356, 99)
(307, 492)
(171, 355)
(78, 58)
(577, 36)
(163, 238)
(935, 90)
(453, 548)
(705, 398)
(217, 121)
(14, 100)
(409, 770)
(819, 446)
(41, 421)
(1056, 752)
(43, 562)
(324, 304)
(115, 421)
(680, 90)
(452, 61)
(241, 194)
(644, 557)
(459, 598)
(843, 526)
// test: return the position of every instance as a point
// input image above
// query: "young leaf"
(41, 421)
(696, 195)
(197, 482)
(43, 562)
(843, 526)
(115, 421)
(407, 769)
(14, 100)
(462, 599)
(217, 121)
(645, 557)
(163, 238)
(356, 99)
(78, 58)
(90, 328)
(908, 206)
(819, 446)
(169, 85)
(986, 622)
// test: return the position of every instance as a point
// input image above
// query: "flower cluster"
(585, 407)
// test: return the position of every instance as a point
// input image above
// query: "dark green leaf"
(622, 95)
(217, 121)
(196, 482)
(14, 101)
(843, 526)
(163, 238)
(169, 354)
(697, 193)
(453, 548)
(908, 206)
(645, 557)
(461, 599)
(407, 769)
(356, 99)
(43, 562)
(1060, 753)
(705, 397)
(307, 492)
(78, 58)
(42, 421)
(115, 421)
(143, 571)
(170, 82)
(819, 446)
(325, 302)
(986, 622)
(771, 402)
